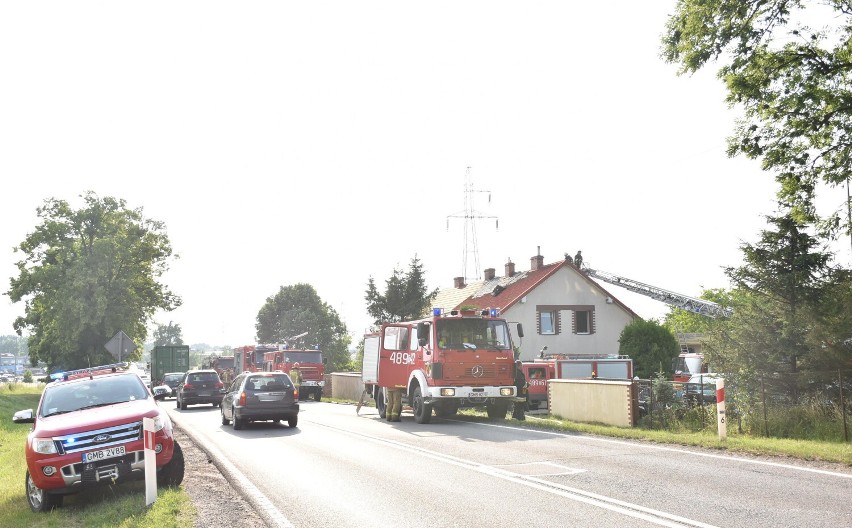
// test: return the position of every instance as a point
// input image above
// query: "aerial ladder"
(684, 302)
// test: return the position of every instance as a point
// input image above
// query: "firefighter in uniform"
(296, 376)
(521, 396)
(394, 407)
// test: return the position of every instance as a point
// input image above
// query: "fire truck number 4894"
(402, 358)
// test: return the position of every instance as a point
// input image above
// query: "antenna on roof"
(470, 214)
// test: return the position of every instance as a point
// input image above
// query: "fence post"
(765, 418)
(843, 406)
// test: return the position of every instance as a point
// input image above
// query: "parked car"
(200, 386)
(700, 389)
(173, 380)
(261, 396)
(87, 430)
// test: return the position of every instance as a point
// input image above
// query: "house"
(559, 306)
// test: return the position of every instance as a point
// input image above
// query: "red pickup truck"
(87, 431)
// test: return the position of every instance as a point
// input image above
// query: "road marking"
(608, 503)
(665, 448)
(264, 507)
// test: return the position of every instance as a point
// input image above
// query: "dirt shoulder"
(217, 502)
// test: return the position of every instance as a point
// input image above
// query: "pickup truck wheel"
(422, 412)
(225, 421)
(40, 501)
(172, 473)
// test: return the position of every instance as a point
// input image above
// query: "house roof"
(505, 292)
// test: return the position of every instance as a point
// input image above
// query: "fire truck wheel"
(498, 410)
(41, 501)
(318, 395)
(422, 411)
(381, 405)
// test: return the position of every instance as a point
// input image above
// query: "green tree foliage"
(790, 79)
(170, 334)
(791, 312)
(679, 320)
(12, 344)
(297, 309)
(405, 298)
(86, 274)
(651, 346)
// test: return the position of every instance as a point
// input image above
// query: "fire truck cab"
(451, 360)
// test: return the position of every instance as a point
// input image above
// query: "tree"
(651, 346)
(790, 311)
(86, 274)
(168, 335)
(791, 80)
(297, 309)
(405, 298)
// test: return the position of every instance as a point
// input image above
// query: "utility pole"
(470, 215)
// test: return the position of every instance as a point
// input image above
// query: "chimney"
(537, 261)
(489, 273)
(459, 282)
(510, 268)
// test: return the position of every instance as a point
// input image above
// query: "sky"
(329, 142)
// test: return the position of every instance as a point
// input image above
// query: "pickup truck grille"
(99, 438)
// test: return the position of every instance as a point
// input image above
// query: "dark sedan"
(261, 396)
(200, 386)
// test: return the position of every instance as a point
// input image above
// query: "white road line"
(264, 507)
(666, 448)
(631, 510)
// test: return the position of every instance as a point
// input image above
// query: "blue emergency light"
(437, 312)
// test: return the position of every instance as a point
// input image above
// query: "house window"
(548, 323)
(583, 322)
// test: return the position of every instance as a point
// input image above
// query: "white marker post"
(720, 409)
(150, 461)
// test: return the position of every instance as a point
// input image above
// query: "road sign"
(120, 345)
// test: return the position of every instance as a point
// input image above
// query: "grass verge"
(107, 506)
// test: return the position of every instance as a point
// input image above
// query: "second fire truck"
(311, 364)
(450, 360)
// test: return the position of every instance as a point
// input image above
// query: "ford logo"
(101, 438)
(477, 371)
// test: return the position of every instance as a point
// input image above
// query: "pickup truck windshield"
(69, 396)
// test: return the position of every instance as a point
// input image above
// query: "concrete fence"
(592, 401)
(346, 386)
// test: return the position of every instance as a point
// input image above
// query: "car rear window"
(269, 383)
(203, 376)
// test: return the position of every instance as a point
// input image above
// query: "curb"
(262, 505)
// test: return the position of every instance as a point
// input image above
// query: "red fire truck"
(311, 364)
(571, 366)
(453, 359)
(249, 358)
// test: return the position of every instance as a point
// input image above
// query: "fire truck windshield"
(473, 334)
(302, 357)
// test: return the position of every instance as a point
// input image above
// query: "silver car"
(260, 396)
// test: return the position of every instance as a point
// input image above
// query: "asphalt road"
(339, 468)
